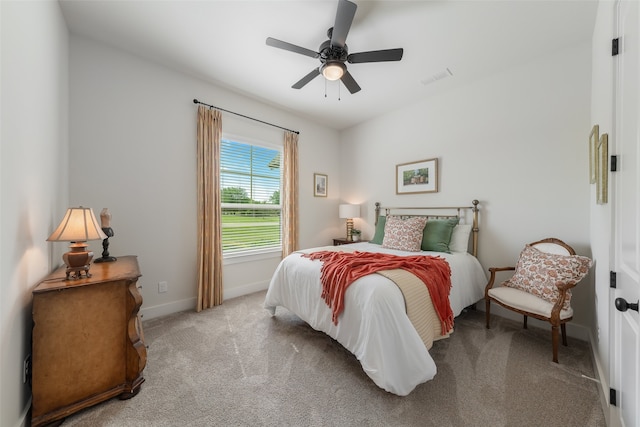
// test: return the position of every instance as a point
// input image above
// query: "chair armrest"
(493, 271)
(557, 307)
(559, 304)
(565, 286)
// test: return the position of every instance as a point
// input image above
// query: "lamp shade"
(349, 211)
(78, 225)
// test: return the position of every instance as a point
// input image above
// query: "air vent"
(437, 76)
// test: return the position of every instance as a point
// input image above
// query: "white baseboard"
(603, 388)
(245, 290)
(24, 420)
(190, 303)
(168, 308)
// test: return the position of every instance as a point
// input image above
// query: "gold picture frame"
(602, 183)
(320, 185)
(594, 139)
(417, 177)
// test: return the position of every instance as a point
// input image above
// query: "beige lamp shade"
(78, 225)
(349, 211)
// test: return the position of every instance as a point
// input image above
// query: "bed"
(374, 324)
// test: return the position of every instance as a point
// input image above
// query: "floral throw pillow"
(404, 234)
(538, 272)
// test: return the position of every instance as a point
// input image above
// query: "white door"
(626, 208)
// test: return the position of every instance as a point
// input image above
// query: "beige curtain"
(290, 194)
(209, 209)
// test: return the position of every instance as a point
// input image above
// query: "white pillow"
(460, 238)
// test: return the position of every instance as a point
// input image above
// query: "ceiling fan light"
(333, 70)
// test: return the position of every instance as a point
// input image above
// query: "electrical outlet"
(163, 287)
(26, 371)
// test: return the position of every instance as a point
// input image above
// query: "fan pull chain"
(339, 91)
(325, 88)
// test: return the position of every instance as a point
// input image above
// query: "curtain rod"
(195, 101)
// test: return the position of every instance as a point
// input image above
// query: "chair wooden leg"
(554, 341)
(563, 328)
(524, 325)
(488, 311)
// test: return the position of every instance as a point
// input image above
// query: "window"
(250, 195)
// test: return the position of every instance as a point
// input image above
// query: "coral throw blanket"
(340, 269)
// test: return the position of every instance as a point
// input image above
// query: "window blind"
(250, 178)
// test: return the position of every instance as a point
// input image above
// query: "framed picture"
(594, 140)
(602, 183)
(320, 183)
(417, 177)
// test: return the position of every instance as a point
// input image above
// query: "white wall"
(516, 141)
(33, 176)
(132, 144)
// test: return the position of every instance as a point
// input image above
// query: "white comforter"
(374, 325)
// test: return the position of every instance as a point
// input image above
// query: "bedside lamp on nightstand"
(78, 226)
(349, 212)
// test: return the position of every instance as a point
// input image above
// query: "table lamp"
(349, 212)
(78, 226)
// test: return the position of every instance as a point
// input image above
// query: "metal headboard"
(438, 212)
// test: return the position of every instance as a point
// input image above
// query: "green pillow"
(437, 234)
(379, 234)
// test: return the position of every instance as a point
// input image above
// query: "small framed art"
(602, 183)
(320, 184)
(594, 140)
(417, 177)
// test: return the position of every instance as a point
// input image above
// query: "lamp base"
(74, 273)
(349, 228)
(78, 260)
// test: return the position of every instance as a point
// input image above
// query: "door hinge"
(614, 163)
(612, 279)
(612, 397)
(614, 47)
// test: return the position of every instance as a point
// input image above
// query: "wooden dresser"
(87, 340)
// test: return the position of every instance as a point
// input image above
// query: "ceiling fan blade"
(291, 47)
(344, 18)
(306, 79)
(350, 83)
(376, 56)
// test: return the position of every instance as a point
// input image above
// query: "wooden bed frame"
(443, 212)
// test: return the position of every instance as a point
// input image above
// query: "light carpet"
(234, 365)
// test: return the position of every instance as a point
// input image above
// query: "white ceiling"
(224, 42)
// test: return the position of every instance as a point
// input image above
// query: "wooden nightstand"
(342, 241)
(87, 340)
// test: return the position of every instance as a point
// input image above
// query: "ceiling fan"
(333, 53)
